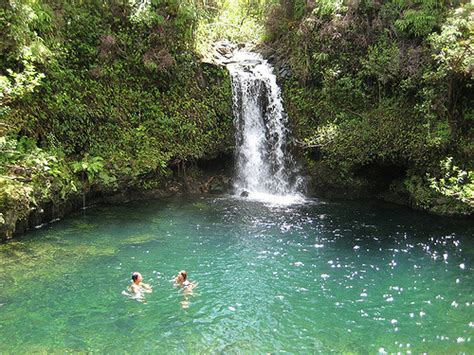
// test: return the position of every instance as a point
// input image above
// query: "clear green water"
(344, 277)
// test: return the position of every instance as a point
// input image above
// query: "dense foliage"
(103, 95)
(382, 88)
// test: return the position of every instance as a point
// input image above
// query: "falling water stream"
(265, 167)
(276, 272)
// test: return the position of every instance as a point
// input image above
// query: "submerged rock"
(244, 194)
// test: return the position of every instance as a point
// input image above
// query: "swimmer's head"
(182, 275)
(137, 277)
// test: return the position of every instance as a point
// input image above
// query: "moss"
(15, 199)
(140, 239)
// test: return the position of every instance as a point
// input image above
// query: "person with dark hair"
(181, 280)
(138, 287)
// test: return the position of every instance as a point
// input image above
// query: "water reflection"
(340, 277)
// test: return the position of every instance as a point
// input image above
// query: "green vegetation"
(104, 96)
(382, 87)
(232, 20)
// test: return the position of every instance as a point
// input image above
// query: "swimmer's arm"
(134, 288)
(147, 287)
(191, 286)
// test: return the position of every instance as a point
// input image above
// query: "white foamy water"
(265, 168)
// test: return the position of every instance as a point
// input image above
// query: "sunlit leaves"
(454, 46)
(417, 22)
(234, 20)
(454, 182)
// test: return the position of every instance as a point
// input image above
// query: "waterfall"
(265, 168)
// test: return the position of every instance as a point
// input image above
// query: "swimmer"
(138, 287)
(181, 280)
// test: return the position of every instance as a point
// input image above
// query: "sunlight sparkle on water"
(271, 279)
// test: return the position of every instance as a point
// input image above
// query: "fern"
(417, 23)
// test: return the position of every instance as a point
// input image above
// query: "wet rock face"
(225, 49)
(244, 194)
(45, 212)
(219, 185)
(223, 52)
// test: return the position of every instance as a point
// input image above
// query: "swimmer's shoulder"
(134, 288)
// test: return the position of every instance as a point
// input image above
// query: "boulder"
(244, 194)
